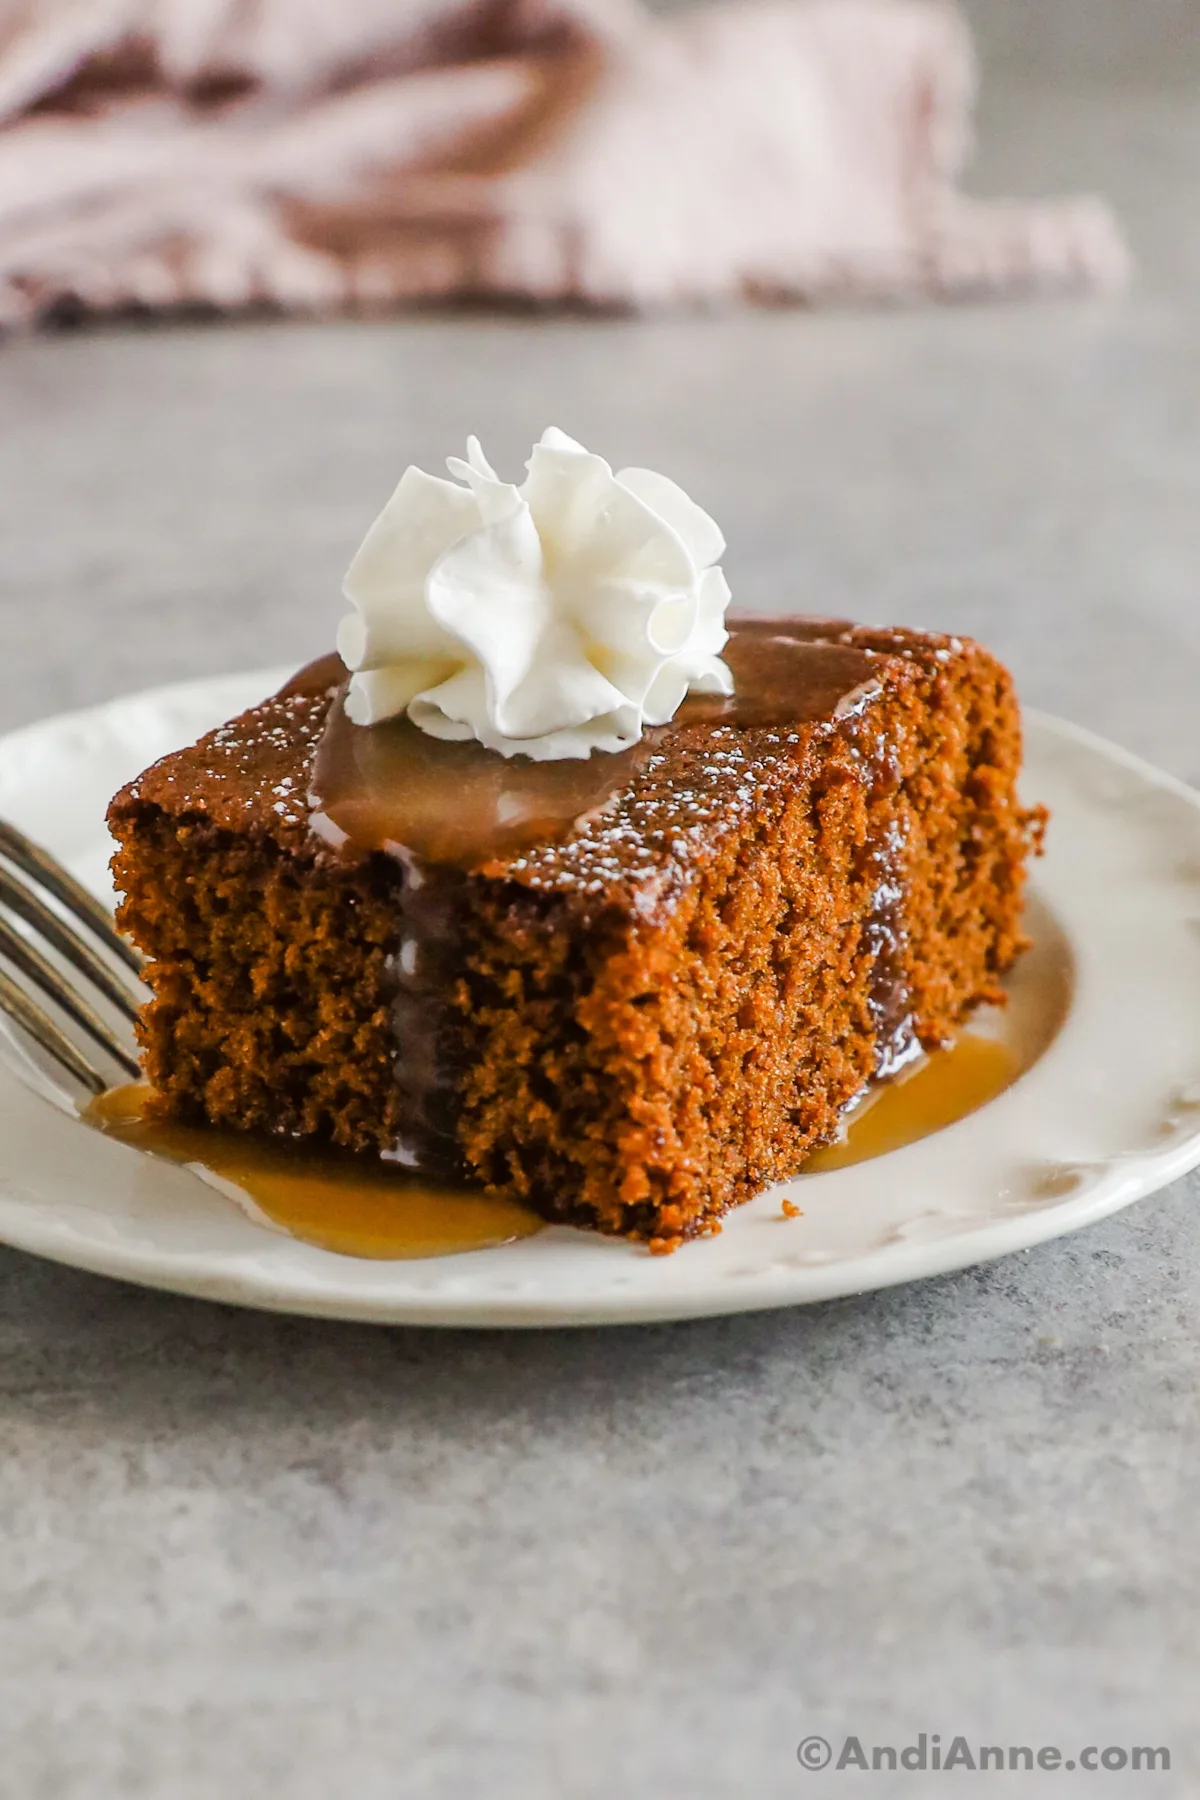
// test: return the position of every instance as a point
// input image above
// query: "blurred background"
(316, 1559)
(181, 498)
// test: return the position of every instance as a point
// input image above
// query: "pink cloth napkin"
(317, 155)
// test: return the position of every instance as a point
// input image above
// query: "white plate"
(1106, 1010)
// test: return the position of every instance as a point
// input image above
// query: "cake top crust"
(295, 770)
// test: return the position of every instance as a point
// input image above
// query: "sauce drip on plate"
(356, 1206)
(936, 1092)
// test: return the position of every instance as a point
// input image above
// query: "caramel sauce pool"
(352, 1205)
(936, 1092)
(360, 1207)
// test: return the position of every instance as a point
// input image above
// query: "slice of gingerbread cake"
(630, 986)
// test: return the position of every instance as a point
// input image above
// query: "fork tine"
(45, 976)
(17, 1004)
(54, 878)
(21, 900)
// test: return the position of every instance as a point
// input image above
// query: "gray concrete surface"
(246, 1556)
(1089, 38)
(1070, 39)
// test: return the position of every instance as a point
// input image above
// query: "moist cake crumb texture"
(634, 1025)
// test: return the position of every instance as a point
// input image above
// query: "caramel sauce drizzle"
(447, 805)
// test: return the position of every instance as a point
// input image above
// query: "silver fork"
(28, 874)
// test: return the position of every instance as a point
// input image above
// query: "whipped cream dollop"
(547, 620)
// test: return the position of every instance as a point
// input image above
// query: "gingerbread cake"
(630, 990)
